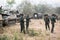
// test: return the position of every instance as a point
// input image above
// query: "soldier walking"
(47, 21)
(22, 24)
(53, 20)
(27, 22)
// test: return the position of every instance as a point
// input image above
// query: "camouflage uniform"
(47, 21)
(22, 24)
(53, 20)
(27, 22)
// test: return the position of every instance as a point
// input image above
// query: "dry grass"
(36, 32)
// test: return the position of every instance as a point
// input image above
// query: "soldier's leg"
(21, 27)
(48, 27)
(52, 28)
(24, 30)
(27, 25)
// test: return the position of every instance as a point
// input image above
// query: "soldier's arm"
(49, 20)
(30, 19)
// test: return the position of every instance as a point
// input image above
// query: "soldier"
(27, 22)
(47, 21)
(53, 20)
(22, 24)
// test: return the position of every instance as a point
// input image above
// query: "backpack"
(53, 19)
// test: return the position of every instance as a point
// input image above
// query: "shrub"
(4, 37)
(33, 33)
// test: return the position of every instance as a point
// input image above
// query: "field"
(37, 31)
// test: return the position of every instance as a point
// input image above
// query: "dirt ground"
(36, 25)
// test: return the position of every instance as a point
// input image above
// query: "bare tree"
(26, 8)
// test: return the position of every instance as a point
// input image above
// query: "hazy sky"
(50, 2)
